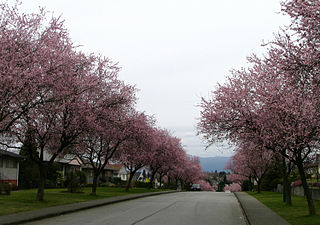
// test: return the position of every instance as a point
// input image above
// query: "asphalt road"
(183, 208)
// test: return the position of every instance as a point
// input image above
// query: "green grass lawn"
(297, 214)
(24, 200)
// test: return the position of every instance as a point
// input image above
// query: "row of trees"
(271, 109)
(57, 100)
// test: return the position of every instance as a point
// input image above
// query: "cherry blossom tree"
(165, 155)
(176, 154)
(42, 82)
(110, 121)
(249, 161)
(178, 173)
(34, 52)
(234, 187)
(204, 185)
(275, 102)
(51, 91)
(135, 152)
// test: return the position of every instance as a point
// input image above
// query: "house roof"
(89, 166)
(10, 154)
(115, 166)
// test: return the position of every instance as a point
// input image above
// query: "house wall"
(9, 168)
(106, 174)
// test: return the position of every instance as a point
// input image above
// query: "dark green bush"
(140, 184)
(170, 186)
(245, 185)
(49, 184)
(102, 180)
(116, 180)
(75, 181)
(6, 188)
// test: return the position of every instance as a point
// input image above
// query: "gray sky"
(174, 51)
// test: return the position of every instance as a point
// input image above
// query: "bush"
(107, 184)
(49, 184)
(245, 185)
(75, 181)
(88, 185)
(140, 184)
(118, 182)
(6, 188)
(169, 186)
(102, 180)
(60, 181)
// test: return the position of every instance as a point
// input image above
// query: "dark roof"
(10, 154)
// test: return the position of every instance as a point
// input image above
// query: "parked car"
(196, 187)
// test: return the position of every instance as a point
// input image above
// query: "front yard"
(297, 214)
(24, 200)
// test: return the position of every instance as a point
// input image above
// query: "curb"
(242, 209)
(27, 216)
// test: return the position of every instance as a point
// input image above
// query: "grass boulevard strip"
(297, 214)
(24, 200)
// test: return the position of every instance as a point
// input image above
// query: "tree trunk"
(307, 192)
(94, 184)
(161, 176)
(130, 179)
(182, 184)
(250, 184)
(259, 185)
(288, 192)
(41, 183)
(287, 188)
(151, 180)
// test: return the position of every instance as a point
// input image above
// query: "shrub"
(102, 180)
(88, 185)
(6, 188)
(141, 184)
(168, 186)
(60, 181)
(107, 184)
(75, 181)
(116, 180)
(49, 184)
(245, 185)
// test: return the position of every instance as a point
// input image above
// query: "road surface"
(182, 208)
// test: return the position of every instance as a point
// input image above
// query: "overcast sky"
(174, 51)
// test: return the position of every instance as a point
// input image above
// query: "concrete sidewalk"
(256, 212)
(22, 217)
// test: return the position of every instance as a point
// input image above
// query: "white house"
(9, 167)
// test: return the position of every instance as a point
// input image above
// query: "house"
(140, 176)
(119, 170)
(313, 166)
(9, 167)
(69, 163)
(104, 176)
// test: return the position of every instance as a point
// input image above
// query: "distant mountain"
(213, 163)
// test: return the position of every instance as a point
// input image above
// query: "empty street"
(182, 208)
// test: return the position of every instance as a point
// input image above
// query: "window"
(11, 163)
(1, 162)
